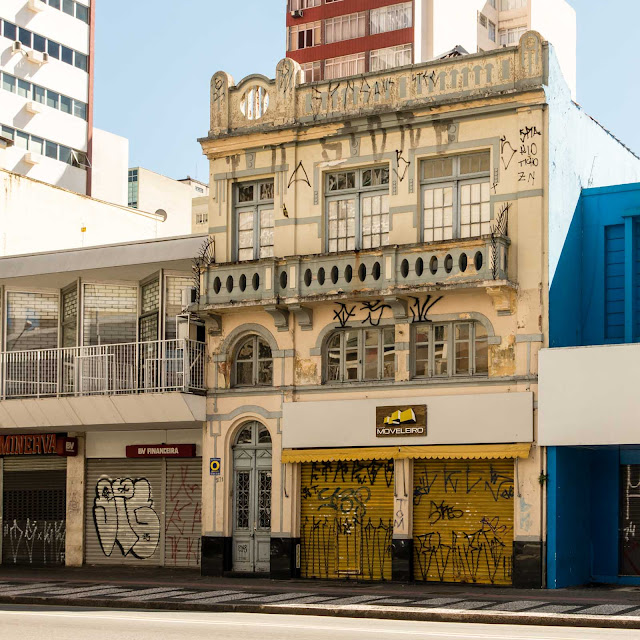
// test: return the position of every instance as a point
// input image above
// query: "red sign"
(161, 451)
(39, 444)
(67, 447)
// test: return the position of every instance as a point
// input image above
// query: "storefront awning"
(436, 452)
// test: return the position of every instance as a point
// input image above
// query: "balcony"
(113, 369)
(386, 271)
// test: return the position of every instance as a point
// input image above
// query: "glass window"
(312, 71)
(54, 3)
(81, 61)
(68, 6)
(8, 132)
(38, 94)
(80, 109)
(253, 363)
(9, 30)
(82, 12)
(255, 220)
(456, 197)
(66, 104)
(51, 150)
(450, 349)
(391, 18)
(64, 154)
(9, 83)
(360, 354)
(53, 49)
(25, 36)
(32, 322)
(39, 43)
(66, 54)
(304, 36)
(36, 145)
(390, 57)
(345, 27)
(492, 31)
(357, 218)
(22, 140)
(24, 88)
(344, 66)
(53, 99)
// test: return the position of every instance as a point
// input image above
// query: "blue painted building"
(590, 395)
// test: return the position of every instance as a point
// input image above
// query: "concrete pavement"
(183, 590)
(58, 623)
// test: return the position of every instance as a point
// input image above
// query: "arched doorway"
(252, 499)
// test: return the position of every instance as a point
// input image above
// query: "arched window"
(360, 354)
(253, 363)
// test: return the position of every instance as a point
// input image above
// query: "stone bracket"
(304, 316)
(399, 307)
(214, 323)
(504, 300)
(280, 315)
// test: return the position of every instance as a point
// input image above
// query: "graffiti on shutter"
(630, 519)
(463, 520)
(184, 513)
(124, 513)
(347, 519)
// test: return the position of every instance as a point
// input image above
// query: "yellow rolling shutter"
(347, 519)
(463, 521)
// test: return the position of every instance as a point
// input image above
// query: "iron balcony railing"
(138, 367)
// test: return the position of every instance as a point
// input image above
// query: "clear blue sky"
(155, 58)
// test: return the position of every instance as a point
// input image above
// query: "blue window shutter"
(614, 282)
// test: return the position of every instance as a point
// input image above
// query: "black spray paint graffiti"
(499, 229)
(343, 314)
(37, 541)
(218, 92)
(506, 152)
(124, 515)
(374, 311)
(299, 175)
(403, 166)
(363, 473)
(419, 310)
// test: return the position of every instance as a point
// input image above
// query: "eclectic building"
(375, 312)
(101, 406)
(588, 398)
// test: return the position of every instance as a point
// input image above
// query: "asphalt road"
(63, 623)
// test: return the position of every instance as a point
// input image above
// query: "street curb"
(347, 611)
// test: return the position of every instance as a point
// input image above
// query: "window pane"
(245, 193)
(38, 94)
(66, 54)
(81, 61)
(51, 150)
(22, 140)
(67, 6)
(244, 373)
(54, 3)
(246, 351)
(25, 36)
(462, 357)
(82, 12)
(264, 350)
(482, 356)
(265, 372)
(53, 99)
(8, 132)
(9, 30)
(80, 109)
(36, 145)
(53, 49)
(266, 191)
(66, 104)
(39, 43)
(440, 350)
(9, 83)
(65, 154)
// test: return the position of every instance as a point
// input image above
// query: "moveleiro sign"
(399, 422)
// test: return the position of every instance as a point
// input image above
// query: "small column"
(74, 542)
(402, 561)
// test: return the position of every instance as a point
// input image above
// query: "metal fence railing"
(137, 367)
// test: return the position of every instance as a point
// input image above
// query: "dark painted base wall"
(527, 565)
(402, 560)
(284, 554)
(216, 556)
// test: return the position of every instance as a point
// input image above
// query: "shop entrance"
(252, 500)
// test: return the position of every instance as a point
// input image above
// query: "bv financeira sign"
(401, 422)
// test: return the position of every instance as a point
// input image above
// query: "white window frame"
(455, 181)
(391, 18)
(390, 57)
(474, 341)
(511, 37)
(312, 71)
(357, 193)
(355, 59)
(298, 5)
(314, 28)
(256, 207)
(359, 364)
(348, 27)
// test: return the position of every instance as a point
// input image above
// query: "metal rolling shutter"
(463, 521)
(34, 494)
(124, 512)
(629, 520)
(183, 520)
(347, 519)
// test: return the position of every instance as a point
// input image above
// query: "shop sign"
(67, 447)
(215, 466)
(161, 451)
(36, 444)
(401, 422)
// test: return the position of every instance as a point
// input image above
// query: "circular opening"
(334, 275)
(217, 285)
(255, 281)
(283, 279)
(242, 283)
(419, 267)
(404, 268)
(462, 262)
(348, 273)
(448, 264)
(478, 260)
(362, 272)
(321, 276)
(433, 265)
(230, 284)
(376, 271)
(307, 277)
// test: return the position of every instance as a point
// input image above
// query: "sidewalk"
(186, 590)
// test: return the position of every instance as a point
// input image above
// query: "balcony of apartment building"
(97, 338)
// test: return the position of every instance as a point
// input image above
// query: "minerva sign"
(401, 422)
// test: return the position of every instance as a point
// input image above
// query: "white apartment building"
(46, 101)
